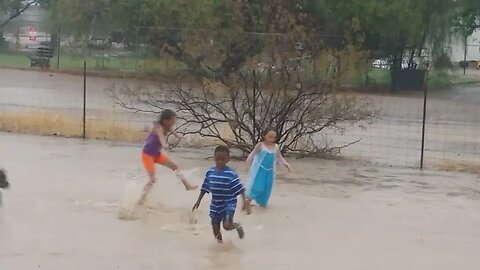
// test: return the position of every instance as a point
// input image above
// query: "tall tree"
(399, 31)
(468, 16)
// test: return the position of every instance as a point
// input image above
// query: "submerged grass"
(59, 125)
(50, 124)
(458, 166)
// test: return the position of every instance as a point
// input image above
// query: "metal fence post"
(137, 33)
(84, 135)
(254, 106)
(465, 55)
(58, 48)
(425, 93)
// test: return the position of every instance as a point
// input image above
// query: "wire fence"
(62, 103)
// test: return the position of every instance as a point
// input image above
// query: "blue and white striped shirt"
(225, 186)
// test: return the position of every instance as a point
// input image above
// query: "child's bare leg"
(148, 187)
(217, 232)
(229, 225)
(171, 165)
(248, 201)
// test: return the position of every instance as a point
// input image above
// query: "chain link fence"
(54, 101)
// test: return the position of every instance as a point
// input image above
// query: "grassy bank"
(43, 123)
(52, 124)
(97, 63)
(122, 66)
(380, 78)
(14, 61)
(445, 80)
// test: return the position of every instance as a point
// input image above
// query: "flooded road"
(61, 213)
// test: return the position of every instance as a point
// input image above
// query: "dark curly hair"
(222, 149)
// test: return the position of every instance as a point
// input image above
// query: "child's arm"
(199, 200)
(237, 188)
(246, 205)
(281, 160)
(205, 189)
(250, 157)
(161, 137)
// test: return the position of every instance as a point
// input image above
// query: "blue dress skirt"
(262, 177)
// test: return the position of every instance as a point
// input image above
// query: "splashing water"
(130, 209)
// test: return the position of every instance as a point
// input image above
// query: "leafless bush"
(298, 97)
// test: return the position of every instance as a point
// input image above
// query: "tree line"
(385, 29)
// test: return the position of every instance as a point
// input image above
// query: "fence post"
(58, 48)
(137, 30)
(425, 93)
(254, 106)
(366, 72)
(84, 98)
(465, 55)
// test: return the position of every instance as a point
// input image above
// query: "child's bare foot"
(240, 231)
(219, 239)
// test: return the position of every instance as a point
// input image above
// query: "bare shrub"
(234, 111)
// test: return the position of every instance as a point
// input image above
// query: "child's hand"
(195, 206)
(247, 208)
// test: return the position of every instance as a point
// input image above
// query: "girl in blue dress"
(262, 161)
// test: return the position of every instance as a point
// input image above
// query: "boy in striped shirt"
(225, 186)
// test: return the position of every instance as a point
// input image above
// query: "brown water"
(61, 213)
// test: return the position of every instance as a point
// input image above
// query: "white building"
(473, 48)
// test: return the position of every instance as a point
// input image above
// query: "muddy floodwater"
(61, 213)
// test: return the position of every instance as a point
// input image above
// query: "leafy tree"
(395, 30)
(83, 18)
(468, 19)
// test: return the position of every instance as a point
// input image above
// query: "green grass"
(75, 62)
(436, 79)
(14, 61)
(445, 80)
(376, 77)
